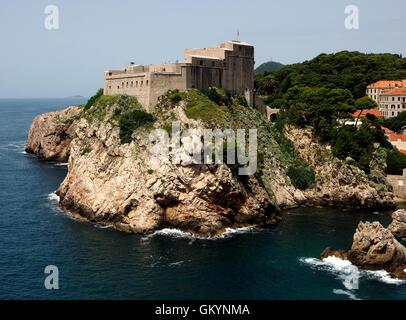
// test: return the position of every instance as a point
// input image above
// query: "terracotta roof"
(403, 151)
(396, 137)
(383, 128)
(388, 84)
(396, 92)
(364, 113)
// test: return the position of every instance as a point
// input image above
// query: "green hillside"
(344, 70)
(320, 92)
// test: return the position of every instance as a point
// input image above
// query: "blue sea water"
(96, 262)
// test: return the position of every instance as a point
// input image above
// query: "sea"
(98, 262)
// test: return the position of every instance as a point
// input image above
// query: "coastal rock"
(122, 186)
(398, 225)
(338, 183)
(51, 133)
(374, 248)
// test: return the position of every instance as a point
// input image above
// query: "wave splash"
(349, 274)
(343, 269)
(176, 233)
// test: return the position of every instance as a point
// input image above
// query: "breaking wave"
(176, 233)
(349, 274)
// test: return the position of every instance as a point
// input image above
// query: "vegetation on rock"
(325, 91)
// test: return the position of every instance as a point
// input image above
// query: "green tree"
(364, 103)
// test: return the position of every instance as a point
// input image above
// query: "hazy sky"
(97, 35)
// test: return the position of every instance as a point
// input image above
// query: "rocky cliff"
(51, 133)
(114, 181)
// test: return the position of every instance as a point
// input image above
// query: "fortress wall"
(203, 78)
(162, 82)
(131, 84)
(207, 52)
(165, 67)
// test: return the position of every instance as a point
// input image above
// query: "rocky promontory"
(51, 133)
(376, 248)
(113, 180)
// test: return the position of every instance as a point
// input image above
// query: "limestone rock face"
(121, 185)
(338, 183)
(374, 248)
(398, 225)
(50, 135)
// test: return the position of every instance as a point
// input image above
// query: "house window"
(201, 62)
(142, 83)
(136, 84)
(132, 84)
(146, 83)
(213, 64)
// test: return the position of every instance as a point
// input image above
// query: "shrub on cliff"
(132, 120)
(301, 177)
(218, 96)
(93, 99)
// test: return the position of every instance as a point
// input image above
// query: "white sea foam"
(63, 164)
(385, 277)
(53, 197)
(176, 233)
(343, 269)
(347, 293)
(174, 264)
(348, 273)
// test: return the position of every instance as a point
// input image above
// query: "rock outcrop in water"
(118, 184)
(374, 248)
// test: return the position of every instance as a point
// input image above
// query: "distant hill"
(78, 96)
(270, 66)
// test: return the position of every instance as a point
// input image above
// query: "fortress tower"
(229, 66)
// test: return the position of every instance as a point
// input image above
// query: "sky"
(99, 35)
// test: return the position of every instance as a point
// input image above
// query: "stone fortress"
(229, 66)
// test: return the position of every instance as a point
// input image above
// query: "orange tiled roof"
(403, 151)
(396, 92)
(383, 128)
(364, 113)
(388, 84)
(396, 137)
